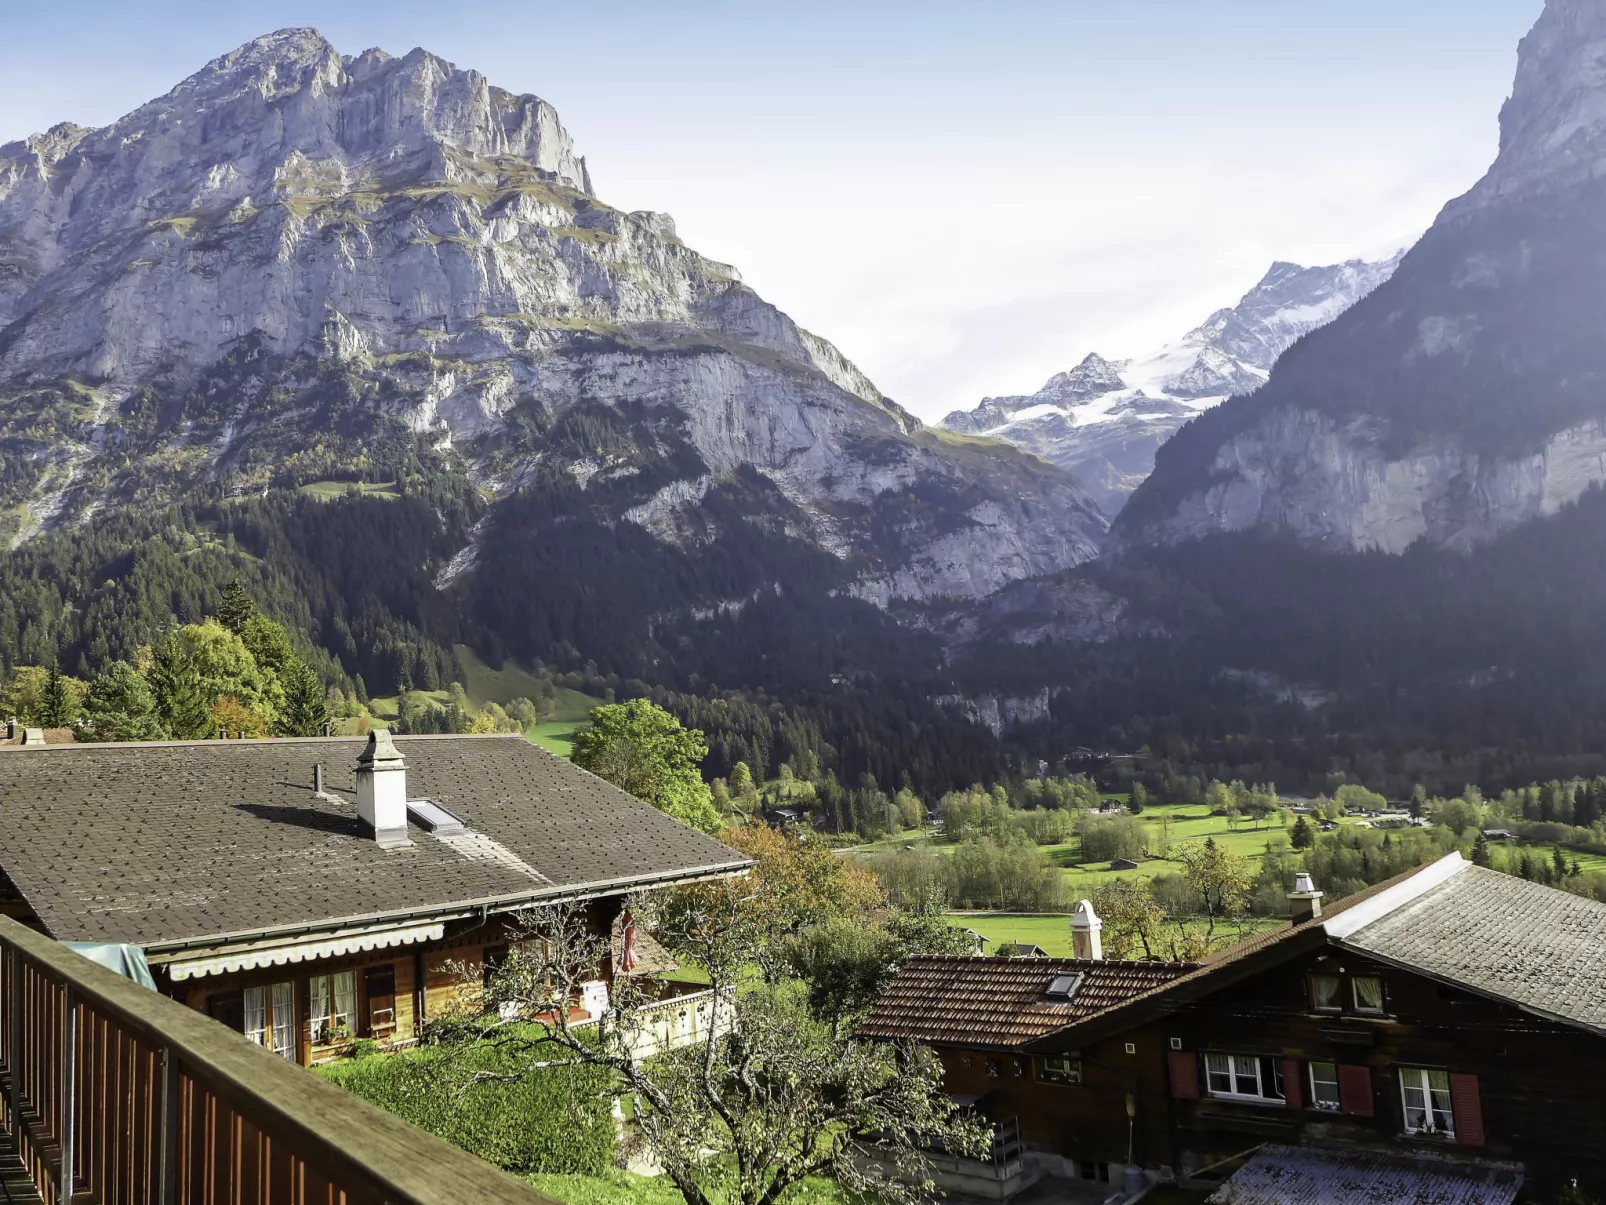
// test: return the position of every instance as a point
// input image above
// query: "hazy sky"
(965, 198)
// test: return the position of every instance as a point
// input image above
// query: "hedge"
(555, 1120)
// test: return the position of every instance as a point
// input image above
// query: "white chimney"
(382, 789)
(1304, 901)
(1085, 926)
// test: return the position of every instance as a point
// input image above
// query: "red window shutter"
(1293, 1086)
(1355, 1091)
(1184, 1075)
(1467, 1108)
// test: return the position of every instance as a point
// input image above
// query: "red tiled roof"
(979, 1001)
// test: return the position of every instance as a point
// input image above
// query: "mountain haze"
(1104, 420)
(1468, 393)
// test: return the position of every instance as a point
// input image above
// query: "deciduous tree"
(643, 749)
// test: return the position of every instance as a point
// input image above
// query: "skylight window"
(1063, 987)
(429, 814)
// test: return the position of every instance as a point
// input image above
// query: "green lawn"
(557, 734)
(326, 491)
(1052, 932)
(1503, 856)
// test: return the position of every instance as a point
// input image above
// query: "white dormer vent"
(428, 814)
(1062, 988)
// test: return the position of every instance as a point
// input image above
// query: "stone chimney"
(382, 789)
(1304, 901)
(1085, 926)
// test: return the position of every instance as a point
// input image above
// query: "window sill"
(1264, 1102)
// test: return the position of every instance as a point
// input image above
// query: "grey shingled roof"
(155, 844)
(1504, 936)
(1003, 1002)
(1286, 1175)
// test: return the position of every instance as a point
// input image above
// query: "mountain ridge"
(1105, 419)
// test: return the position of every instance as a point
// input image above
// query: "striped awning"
(221, 961)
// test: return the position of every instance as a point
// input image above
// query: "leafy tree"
(225, 667)
(643, 749)
(233, 718)
(1219, 880)
(182, 703)
(1302, 836)
(1133, 918)
(238, 608)
(770, 1095)
(24, 694)
(306, 707)
(120, 706)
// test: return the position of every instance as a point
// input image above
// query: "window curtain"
(255, 1016)
(345, 993)
(284, 1020)
(319, 991)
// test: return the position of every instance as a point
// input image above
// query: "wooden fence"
(115, 1095)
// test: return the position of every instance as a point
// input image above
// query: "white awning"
(327, 945)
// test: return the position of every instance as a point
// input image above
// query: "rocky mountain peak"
(1553, 128)
(1092, 377)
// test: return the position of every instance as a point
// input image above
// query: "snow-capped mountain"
(1463, 397)
(1104, 419)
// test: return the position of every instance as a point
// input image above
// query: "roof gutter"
(483, 908)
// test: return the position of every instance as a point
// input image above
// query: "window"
(1324, 1086)
(333, 1001)
(256, 1014)
(1060, 1069)
(284, 1021)
(1324, 993)
(1368, 994)
(1427, 1102)
(1244, 1077)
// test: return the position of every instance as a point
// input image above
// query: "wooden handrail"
(172, 1106)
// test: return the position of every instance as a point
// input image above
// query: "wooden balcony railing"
(115, 1095)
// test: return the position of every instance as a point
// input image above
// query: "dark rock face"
(1465, 395)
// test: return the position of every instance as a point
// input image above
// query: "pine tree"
(1480, 851)
(1559, 861)
(238, 608)
(55, 707)
(306, 708)
(176, 683)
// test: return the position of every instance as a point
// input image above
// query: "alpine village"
(495, 711)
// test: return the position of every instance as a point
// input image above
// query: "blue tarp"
(127, 961)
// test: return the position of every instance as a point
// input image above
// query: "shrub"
(1107, 837)
(557, 1120)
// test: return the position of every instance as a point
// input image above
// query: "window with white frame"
(284, 1021)
(1324, 1086)
(1426, 1097)
(333, 1005)
(1244, 1077)
(256, 1015)
(1368, 991)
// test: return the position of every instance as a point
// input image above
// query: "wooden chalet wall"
(1526, 1089)
(1085, 1123)
(443, 968)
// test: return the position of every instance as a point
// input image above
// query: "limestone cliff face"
(1465, 395)
(261, 277)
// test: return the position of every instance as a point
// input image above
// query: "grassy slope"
(325, 491)
(1052, 932)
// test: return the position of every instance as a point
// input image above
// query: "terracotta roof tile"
(979, 1001)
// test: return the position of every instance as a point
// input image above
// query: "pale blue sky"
(964, 197)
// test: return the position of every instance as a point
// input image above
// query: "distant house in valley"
(309, 892)
(1445, 1029)
(1499, 834)
(1123, 864)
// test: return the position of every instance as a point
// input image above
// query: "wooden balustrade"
(115, 1095)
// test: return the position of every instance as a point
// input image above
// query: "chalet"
(1446, 1029)
(1123, 864)
(311, 892)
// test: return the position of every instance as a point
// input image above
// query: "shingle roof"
(154, 844)
(1286, 1175)
(1002, 1002)
(1496, 933)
